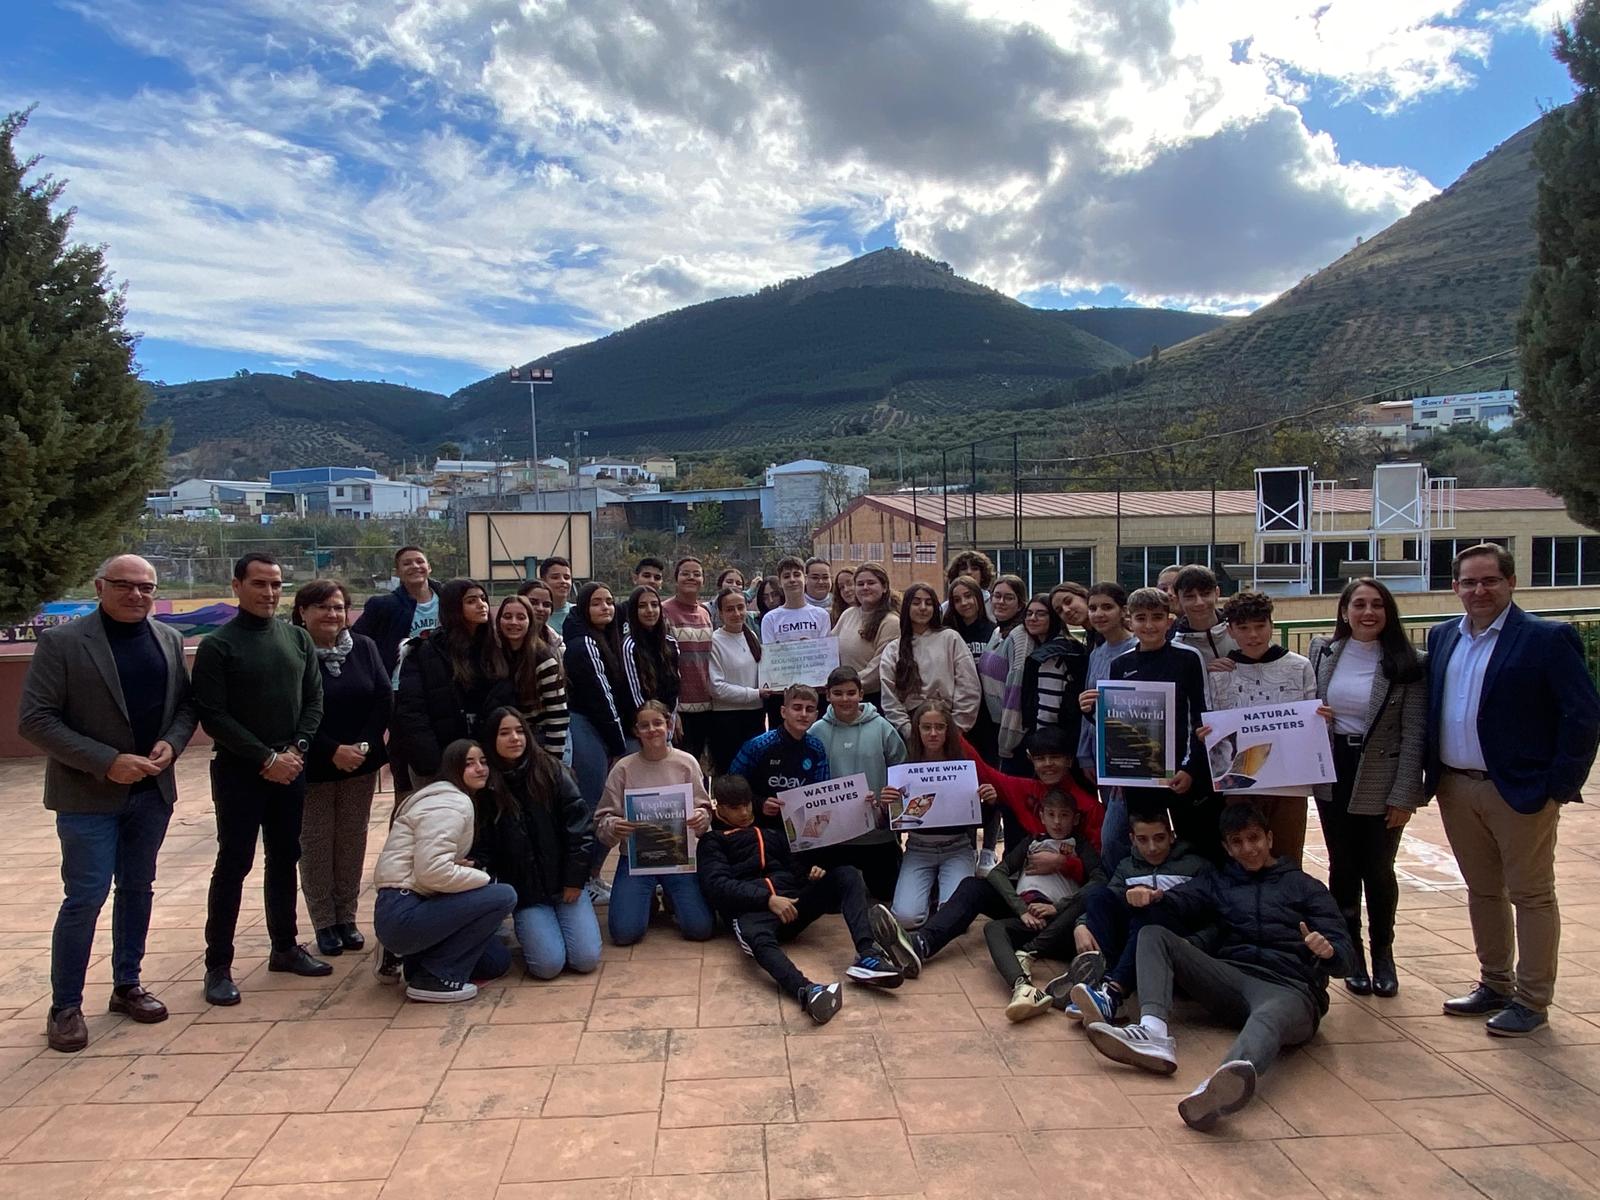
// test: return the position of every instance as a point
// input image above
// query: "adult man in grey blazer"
(1513, 722)
(107, 698)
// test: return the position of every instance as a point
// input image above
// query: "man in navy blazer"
(1513, 721)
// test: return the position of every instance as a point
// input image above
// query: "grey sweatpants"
(1273, 1015)
(333, 847)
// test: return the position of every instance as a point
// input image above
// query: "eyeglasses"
(130, 585)
(337, 609)
(1487, 584)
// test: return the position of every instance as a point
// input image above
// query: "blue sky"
(428, 193)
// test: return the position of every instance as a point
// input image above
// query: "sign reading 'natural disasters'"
(1274, 748)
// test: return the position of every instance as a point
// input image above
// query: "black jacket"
(386, 619)
(431, 710)
(741, 869)
(355, 708)
(1074, 658)
(1257, 916)
(542, 844)
(598, 691)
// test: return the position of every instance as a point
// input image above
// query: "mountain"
(1440, 287)
(250, 423)
(826, 355)
(1137, 329)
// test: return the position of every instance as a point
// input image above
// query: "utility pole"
(577, 457)
(537, 376)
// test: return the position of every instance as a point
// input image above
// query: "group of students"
(516, 740)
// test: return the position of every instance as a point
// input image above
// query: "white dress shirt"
(1463, 689)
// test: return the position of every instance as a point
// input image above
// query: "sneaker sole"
(1088, 967)
(877, 981)
(823, 1009)
(1117, 1050)
(1226, 1092)
(1515, 1033)
(892, 937)
(467, 992)
(1018, 1013)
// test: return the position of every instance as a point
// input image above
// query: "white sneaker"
(1136, 1046)
(987, 861)
(1027, 1002)
(599, 891)
(1229, 1089)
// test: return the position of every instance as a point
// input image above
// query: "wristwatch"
(302, 745)
(365, 748)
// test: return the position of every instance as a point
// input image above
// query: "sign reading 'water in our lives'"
(810, 662)
(1273, 748)
(934, 795)
(827, 813)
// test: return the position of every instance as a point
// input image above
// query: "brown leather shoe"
(139, 1004)
(66, 1030)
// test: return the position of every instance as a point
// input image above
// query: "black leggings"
(1361, 853)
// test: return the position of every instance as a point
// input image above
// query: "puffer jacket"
(741, 868)
(541, 844)
(431, 834)
(1258, 915)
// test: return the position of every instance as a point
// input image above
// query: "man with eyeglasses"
(258, 690)
(107, 698)
(1513, 722)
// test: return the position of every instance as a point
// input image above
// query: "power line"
(1260, 425)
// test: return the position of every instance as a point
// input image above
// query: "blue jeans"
(590, 765)
(1116, 838)
(557, 936)
(633, 896)
(95, 849)
(944, 859)
(453, 936)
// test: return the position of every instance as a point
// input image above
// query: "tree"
(449, 450)
(1559, 330)
(75, 460)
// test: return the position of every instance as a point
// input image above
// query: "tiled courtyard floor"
(676, 1071)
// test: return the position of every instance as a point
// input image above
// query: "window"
(338, 493)
(858, 552)
(927, 552)
(1330, 557)
(835, 551)
(1442, 552)
(1565, 561)
(1010, 562)
(874, 551)
(1045, 568)
(902, 552)
(1141, 566)
(1077, 565)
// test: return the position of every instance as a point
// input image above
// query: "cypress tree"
(1559, 329)
(75, 461)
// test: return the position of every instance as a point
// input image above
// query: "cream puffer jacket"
(431, 834)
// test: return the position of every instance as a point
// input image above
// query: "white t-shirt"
(1350, 689)
(426, 618)
(803, 624)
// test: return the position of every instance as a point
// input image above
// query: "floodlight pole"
(537, 377)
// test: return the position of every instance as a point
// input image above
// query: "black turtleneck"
(142, 672)
(257, 686)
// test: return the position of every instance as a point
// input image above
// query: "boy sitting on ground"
(748, 875)
(1279, 935)
(1114, 914)
(1035, 895)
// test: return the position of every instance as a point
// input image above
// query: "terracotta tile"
(273, 1092)
(487, 1094)
(749, 1185)
(598, 1091)
(727, 1102)
(1067, 1103)
(925, 1012)
(353, 1190)
(584, 1189)
(18, 1123)
(1393, 1071)
(839, 1077)
(1064, 1053)
(1256, 1123)
(962, 1165)
(522, 1006)
(1354, 1023)
(670, 977)
(72, 1081)
(123, 1037)
(627, 1045)
(1096, 1168)
(726, 1053)
(1249, 1171)
(560, 1148)
(834, 1158)
(306, 1045)
(939, 1055)
(401, 1070)
(1581, 1064)
(361, 995)
(1367, 1165)
(691, 1151)
(460, 1017)
(51, 1181)
(367, 1145)
(1539, 1090)
(180, 1179)
(1317, 1103)
(218, 1137)
(1449, 1035)
(970, 1106)
(645, 1012)
(739, 996)
(1454, 1122)
(263, 1006)
(94, 1133)
(157, 1077)
(860, 1012)
(217, 1039)
(451, 1161)
(519, 1045)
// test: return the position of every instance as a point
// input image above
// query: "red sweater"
(1022, 797)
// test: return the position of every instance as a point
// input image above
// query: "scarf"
(332, 657)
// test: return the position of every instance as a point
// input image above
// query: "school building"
(1330, 535)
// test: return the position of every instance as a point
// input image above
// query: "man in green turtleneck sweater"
(258, 690)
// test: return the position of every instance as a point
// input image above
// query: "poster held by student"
(810, 663)
(1270, 748)
(1135, 732)
(827, 813)
(934, 795)
(664, 844)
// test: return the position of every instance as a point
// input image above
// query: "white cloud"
(486, 179)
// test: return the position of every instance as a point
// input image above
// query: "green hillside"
(1137, 329)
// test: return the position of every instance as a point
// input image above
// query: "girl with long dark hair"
(844, 593)
(866, 627)
(935, 860)
(535, 673)
(1040, 625)
(649, 652)
(927, 662)
(1373, 679)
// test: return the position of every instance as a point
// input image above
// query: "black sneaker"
(895, 941)
(388, 966)
(1088, 968)
(431, 990)
(875, 970)
(821, 1001)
